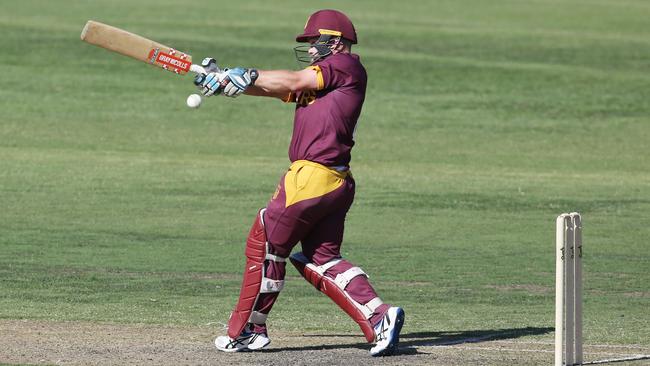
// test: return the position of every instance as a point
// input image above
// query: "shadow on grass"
(409, 341)
(470, 336)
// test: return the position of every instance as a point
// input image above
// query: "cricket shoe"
(387, 332)
(246, 341)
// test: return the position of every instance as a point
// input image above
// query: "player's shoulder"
(344, 61)
(346, 65)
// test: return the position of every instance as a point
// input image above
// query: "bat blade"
(137, 47)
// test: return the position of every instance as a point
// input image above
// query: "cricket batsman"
(314, 195)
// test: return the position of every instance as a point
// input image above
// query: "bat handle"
(198, 69)
(208, 65)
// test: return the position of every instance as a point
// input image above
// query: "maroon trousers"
(317, 223)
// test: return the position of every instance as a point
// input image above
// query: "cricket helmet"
(328, 22)
(327, 27)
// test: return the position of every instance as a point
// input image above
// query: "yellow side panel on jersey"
(306, 179)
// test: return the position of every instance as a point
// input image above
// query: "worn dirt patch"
(81, 343)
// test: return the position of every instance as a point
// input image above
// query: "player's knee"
(279, 250)
(321, 259)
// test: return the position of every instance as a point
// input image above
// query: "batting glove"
(209, 83)
(235, 81)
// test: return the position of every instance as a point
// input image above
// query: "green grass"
(483, 121)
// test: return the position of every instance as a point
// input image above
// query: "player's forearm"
(254, 90)
(266, 83)
(280, 82)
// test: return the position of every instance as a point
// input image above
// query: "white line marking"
(631, 358)
(487, 338)
(631, 346)
(499, 349)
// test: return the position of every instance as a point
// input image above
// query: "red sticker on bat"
(170, 61)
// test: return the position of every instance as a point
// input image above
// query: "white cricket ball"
(194, 101)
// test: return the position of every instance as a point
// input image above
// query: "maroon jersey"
(325, 119)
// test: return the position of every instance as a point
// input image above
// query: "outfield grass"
(483, 121)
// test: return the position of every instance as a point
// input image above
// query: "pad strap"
(258, 318)
(318, 269)
(322, 269)
(335, 290)
(343, 279)
(373, 304)
(270, 285)
(273, 257)
(369, 308)
(255, 281)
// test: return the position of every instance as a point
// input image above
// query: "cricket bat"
(139, 48)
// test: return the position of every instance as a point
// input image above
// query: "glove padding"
(230, 82)
(210, 84)
(235, 81)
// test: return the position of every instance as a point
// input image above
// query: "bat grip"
(198, 69)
